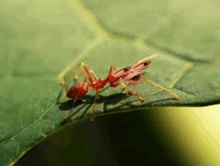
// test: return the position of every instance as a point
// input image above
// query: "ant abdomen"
(141, 66)
(133, 78)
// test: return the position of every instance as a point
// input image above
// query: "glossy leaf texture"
(39, 40)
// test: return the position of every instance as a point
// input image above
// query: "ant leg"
(67, 74)
(70, 74)
(93, 74)
(113, 67)
(63, 84)
(110, 71)
(126, 87)
(132, 92)
(104, 89)
(160, 87)
(74, 70)
(90, 75)
(78, 76)
(70, 111)
(148, 58)
(96, 97)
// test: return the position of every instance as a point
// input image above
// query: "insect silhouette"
(116, 77)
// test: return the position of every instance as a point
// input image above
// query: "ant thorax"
(100, 84)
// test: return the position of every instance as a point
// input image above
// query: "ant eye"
(135, 78)
(125, 69)
(145, 63)
(141, 65)
(121, 71)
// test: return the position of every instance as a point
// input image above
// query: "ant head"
(143, 65)
(121, 72)
(78, 91)
(133, 78)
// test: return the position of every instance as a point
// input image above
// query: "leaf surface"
(38, 41)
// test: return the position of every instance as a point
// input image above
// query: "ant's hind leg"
(176, 97)
(132, 92)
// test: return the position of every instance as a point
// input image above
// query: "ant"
(116, 76)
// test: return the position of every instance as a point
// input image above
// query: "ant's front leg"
(67, 74)
(76, 92)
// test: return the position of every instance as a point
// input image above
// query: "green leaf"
(40, 40)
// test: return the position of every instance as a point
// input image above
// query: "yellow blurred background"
(193, 131)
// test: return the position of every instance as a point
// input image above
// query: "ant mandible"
(130, 75)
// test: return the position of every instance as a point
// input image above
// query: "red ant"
(130, 75)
